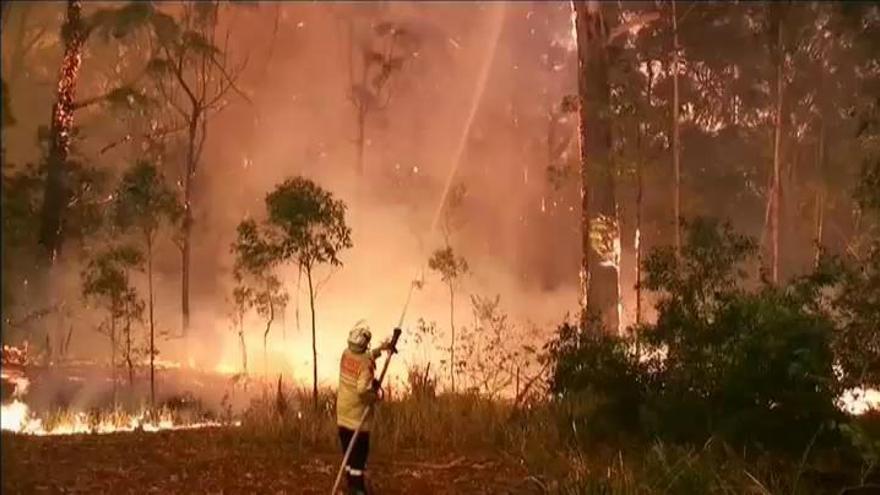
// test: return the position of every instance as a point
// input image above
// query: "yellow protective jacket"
(356, 372)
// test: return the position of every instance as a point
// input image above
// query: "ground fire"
(440, 247)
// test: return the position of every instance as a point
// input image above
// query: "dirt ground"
(220, 461)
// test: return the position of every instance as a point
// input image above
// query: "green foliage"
(869, 187)
(711, 267)
(599, 381)
(86, 199)
(308, 224)
(856, 295)
(255, 260)
(20, 206)
(857, 306)
(753, 367)
(105, 280)
(450, 267)
(144, 201)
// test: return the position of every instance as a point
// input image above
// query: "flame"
(226, 369)
(859, 401)
(17, 418)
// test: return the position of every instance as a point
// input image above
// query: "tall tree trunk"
(113, 357)
(640, 186)
(244, 368)
(152, 320)
(128, 362)
(452, 331)
(599, 281)
(777, 159)
(188, 178)
(298, 285)
(266, 340)
(308, 270)
(676, 140)
(638, 234)
(820, 195)
(55, 193)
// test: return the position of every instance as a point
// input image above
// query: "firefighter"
(358, 389)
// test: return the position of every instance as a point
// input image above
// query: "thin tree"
(676, 140)
(241, 300)
(144, 203)
(255, 261)
(451, 269)
(106, 281)
(775, 13)
(196, 79)
(308, 226)
(383, 56)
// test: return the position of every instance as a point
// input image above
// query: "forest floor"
(223, 461)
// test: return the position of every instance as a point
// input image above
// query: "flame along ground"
(17, 417)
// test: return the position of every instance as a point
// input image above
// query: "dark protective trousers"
(357, 461)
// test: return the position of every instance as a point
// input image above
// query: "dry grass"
(446, 426)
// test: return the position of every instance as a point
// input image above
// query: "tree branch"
(230, 80)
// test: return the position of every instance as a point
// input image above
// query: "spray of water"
(496, 23)
(477, 97)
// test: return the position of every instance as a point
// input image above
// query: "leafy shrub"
(599, 382)
(752, 366)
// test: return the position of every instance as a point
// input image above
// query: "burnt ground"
(223, 461)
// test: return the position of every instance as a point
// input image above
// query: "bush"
(758, 371)
(598, 382)
(753, 367)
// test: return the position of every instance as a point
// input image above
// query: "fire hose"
(459, 150)
(378, 385)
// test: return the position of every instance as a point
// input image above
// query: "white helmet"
(359, 337)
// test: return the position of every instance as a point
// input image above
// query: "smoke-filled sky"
(470, 102)
(474, 105)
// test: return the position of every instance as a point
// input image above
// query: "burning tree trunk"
(55, 194)
(599, 214)
(676, 142)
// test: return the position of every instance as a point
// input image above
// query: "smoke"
(301, 121)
